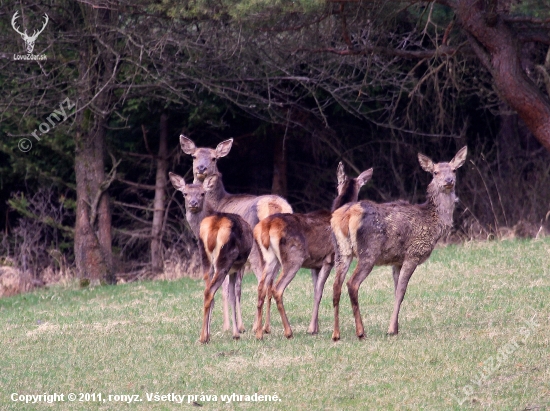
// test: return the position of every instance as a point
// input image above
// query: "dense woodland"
(299, 85)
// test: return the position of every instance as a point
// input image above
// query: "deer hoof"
(288, 336)
(392, 333)
(335, 337)
(236, 337)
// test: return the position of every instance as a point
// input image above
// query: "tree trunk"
(279, 186)
(92, 246)
(160, 197)
(497, 47)
(92, 249)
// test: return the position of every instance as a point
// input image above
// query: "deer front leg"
(257, 266)
(342, 265)
(317, 296)
(269, 288)
(270, 269)
(361, 272)
(225, 304)
(259, 306)
(396, 269)
(238, 287)
(232, 300)
(407, 271)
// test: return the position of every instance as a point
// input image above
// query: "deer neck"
(442, 204)
(217, 194)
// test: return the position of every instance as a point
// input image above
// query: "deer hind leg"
(238, 287)
(317, 296)
(209, 293)
(232, 278)
(225, 304)
(342, 265)
(363, 269)
(270, 269)
(288, 273)
(407, 271)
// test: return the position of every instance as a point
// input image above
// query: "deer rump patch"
(215, 233)
(269, 205)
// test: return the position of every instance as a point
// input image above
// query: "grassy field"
(474, 335)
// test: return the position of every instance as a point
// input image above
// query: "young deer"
(251, 208)
(225, 241)
(300, 240)
(398, 234)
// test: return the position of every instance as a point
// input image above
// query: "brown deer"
(251, 208)
(398, 234)
(225, 241)
(300, 240)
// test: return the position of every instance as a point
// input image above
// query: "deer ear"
(340, 174)
(177, 181)
(187, 145)
(364, 177)
(210, 182)
(426, 163)
(459, 158)
(223, 148)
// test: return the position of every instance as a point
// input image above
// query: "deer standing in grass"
(225, 241)
(300, 240)
(251, 208)
(398, 234)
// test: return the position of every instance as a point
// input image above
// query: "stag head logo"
(29, 40)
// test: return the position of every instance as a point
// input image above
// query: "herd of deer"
(232, 229)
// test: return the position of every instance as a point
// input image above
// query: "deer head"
(444, 174)
(204, 159)
(29, 40)
(343, 179)
(193, 193)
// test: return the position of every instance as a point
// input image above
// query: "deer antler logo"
(29, 40)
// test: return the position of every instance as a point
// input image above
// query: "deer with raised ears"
(29, 40)
(225, 241)
(398, 234)
(251, 208)
(300, 240)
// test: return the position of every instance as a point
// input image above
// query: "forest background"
(89, 133)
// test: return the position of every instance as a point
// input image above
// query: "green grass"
(462, 306)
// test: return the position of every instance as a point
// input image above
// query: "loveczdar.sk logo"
(29, 40)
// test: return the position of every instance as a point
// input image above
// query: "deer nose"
(449, 181)
(201, 168)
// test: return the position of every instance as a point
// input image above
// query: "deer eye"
(194, 157)
(436, 173)
(214, 158)
(202, 194)
(184, 194)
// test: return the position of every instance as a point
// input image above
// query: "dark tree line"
(299, 85)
